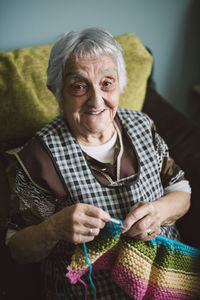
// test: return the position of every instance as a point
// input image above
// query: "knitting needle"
(115, 221)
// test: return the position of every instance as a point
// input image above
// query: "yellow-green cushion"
(138, 65)
(25, 102)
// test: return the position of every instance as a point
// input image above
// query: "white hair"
(89, 43)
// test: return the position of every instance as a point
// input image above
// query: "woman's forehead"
(103, 64)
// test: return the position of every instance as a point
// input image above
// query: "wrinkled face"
(90, 95)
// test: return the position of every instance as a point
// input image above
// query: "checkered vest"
(80, 180)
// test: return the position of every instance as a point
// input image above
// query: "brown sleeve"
(39, 165)
(170, 172)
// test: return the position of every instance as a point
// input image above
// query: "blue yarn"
(113, 228)
(90, 273)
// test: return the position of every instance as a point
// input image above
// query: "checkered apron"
(117, 198)
(80, 180)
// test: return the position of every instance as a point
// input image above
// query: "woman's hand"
(145, 218)
(143, 221)
(77, 223)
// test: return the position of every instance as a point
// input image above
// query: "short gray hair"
(89, 43)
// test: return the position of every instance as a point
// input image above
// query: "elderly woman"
(89, 164)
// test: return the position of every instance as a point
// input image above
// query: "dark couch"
(183, 139)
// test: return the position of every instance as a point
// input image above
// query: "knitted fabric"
(158, 269)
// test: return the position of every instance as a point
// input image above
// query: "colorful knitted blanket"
(159, 269)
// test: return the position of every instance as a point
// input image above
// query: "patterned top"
(37, 204)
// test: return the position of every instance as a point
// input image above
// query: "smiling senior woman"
(91, 163)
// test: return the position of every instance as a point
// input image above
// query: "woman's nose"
(95, 97)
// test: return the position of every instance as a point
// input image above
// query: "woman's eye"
(79, 89)
(108, 85)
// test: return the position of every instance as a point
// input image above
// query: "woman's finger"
(138, 212)
(149, 234)
(96, 212)
(85, 222)
(140, 226)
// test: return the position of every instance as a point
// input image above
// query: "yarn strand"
(90, 272)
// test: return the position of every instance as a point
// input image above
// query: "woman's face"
(90, 97)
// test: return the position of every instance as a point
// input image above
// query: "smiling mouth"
(95, 112)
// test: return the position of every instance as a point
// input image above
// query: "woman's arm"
(152, 215)
(76, 223)
(31, 244)
(172, 206)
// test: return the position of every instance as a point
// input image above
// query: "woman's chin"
(95, 128)
(96, 123)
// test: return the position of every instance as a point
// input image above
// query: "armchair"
(181, 135)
